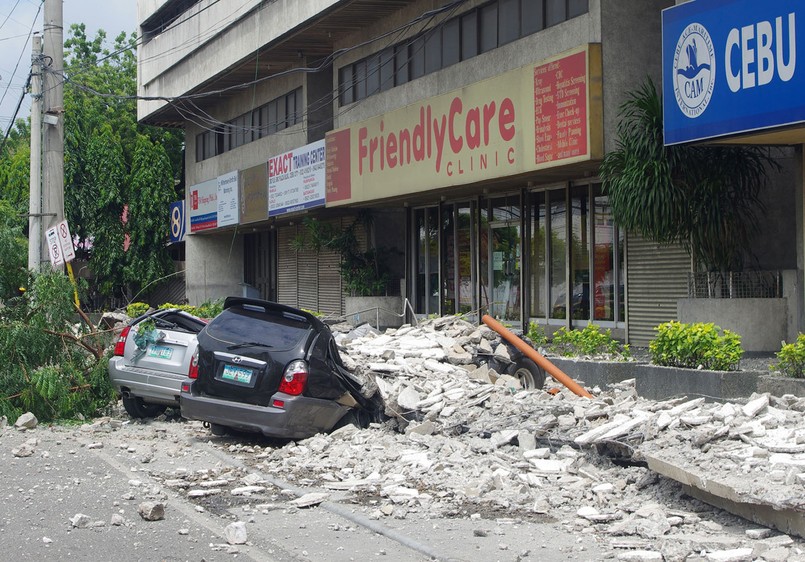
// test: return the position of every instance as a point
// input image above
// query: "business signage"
(203, 202)
(296, 179)
(254, 194)
(177, 222)
(534, 117)
(228, 195)
(730, 66)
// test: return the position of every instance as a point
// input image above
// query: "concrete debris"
(80, 521)
(309, 500)
(235, 533)
(151, 511)
(26, 421)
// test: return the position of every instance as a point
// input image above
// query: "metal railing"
(736, 285)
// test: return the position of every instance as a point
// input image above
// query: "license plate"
(160, 351)
(237, 374)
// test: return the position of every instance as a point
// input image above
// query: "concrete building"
(471, 130)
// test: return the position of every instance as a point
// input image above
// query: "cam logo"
(694, 70)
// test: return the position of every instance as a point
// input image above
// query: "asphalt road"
(107, 469)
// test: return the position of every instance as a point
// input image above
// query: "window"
(577, 7)
(509, 21)
(401, 63)
(373, 75)
(469, 35)
(387, 69)
(417, 60)
(347, 86)
(555, 12)
(489, 28)
(451, 42)
(433, 51)
(532, 16)
(360, 80)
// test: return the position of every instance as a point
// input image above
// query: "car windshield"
(275, 331)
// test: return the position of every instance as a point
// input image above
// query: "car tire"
(136, 408)
(219, 430)
(530, 375)
(352, 417)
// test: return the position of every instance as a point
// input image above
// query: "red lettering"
(391, 150)
(456, 143)
(506, 119)
(363, 150)
(472, 128)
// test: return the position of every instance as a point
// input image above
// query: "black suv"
(273, 369)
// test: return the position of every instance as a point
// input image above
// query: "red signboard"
(560, 109)
(339, 174)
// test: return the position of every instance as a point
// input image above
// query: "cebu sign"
(538, 116)
(731, 67)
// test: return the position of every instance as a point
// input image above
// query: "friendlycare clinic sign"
(534, 117)
(732, 66)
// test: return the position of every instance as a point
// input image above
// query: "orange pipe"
(536, 357)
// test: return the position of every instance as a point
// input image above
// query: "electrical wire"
(24, 49)
(10, 13)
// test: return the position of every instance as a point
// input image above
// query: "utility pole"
(53, 100)
(35, 238)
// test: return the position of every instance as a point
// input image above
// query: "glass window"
(509, 21)
(347, 87)
(387, 69)
(300, 105)
(433, 51)
(533, 16)
(281, 113)
(199, 147)
(401, 60)
(558, 253)
(417, 60)
(536, 257)
(580, 254)
(577, 7)
(360, 80)
(603, 259)
(372, 75)
(555, 12)
(489, 28)
(451, 43)
(469, 35)
(290, 109)
(273, 117)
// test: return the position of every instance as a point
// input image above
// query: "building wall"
(214, 266)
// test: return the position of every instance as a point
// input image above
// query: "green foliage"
(588, 341)
(51, 367)
(706, 198)
(692, 345)
(207, 309)
(792, 358)
(136, 309)
(536, 334)
(13, 253)
(364, 273)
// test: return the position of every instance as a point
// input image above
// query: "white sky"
(17, 17)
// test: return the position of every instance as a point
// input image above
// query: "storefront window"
(557, 251)
(604, 275)
(536, 256)
(580, 255)
(426, 261)
(504, 259)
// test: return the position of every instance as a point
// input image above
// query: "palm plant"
(705, 197)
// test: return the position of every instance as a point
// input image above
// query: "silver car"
(152, 358)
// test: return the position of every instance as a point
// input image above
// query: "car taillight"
(120, 344)
(294, 379)
(192, 372)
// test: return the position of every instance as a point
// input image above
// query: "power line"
(24, 49)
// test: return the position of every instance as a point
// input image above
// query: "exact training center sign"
(730, 66)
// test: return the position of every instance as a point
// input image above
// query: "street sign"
(65, 241)
(54, 248)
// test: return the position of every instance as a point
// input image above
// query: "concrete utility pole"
(53, 100)
(35, 233)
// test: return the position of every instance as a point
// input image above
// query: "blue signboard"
(730, 66)
(177, 222)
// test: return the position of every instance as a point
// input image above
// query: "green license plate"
(160, 351)
(237, 374)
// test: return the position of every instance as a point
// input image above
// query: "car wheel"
(352, 417)
(218, 430)
(531, 377)
(136, 408)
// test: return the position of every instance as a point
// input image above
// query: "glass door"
(500, 287)
(458, 267)
(425, 292)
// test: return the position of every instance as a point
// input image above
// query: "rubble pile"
(469, 441)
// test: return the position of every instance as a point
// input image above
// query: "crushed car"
(151, 359)
(269, 368)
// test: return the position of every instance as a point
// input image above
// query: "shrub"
(135, 309)
(792, 358)
(536, 334)
(588, 341)
(694, 345)
(207, 309)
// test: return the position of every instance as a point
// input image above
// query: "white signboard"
(296, 179)
(228, 197)
(65, 241)
(203, 202)
(54, 248)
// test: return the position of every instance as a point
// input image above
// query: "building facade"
(471, 130)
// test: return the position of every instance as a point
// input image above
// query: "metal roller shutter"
(287, 271)
(656, 277)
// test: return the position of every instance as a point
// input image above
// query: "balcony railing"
(736, 285)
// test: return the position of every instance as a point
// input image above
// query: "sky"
(19, 17)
